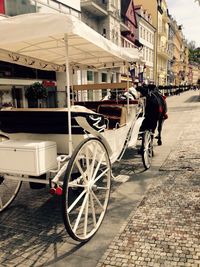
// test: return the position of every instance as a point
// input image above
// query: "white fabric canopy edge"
(31, 28)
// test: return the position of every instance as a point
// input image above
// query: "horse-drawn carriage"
(70, 149)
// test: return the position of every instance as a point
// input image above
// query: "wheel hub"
(91, 186)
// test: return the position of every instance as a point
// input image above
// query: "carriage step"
(121, 178)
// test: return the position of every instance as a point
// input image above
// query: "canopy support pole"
(68, 94)
(127, 76)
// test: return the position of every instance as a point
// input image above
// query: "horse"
(155, 110)
(162, 114)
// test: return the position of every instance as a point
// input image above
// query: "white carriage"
(71, 149)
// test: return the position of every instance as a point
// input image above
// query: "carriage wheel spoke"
(87, 157)
(1, 203)
(86, 216)
(80, 213)
(100, 175)
(93, 162)
(81, 171)
(76, 201)
(98, 166)
(98, 200)
(102, 188)
(93, 211)
(72, 184)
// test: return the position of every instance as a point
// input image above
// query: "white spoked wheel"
(147, 148)
(86, 189)
(8, 188)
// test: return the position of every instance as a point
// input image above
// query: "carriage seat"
(47, 121)
(93, 105)
(115, 114)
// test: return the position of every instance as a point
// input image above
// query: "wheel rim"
(8, 191)
(87, 189)
(147, 149)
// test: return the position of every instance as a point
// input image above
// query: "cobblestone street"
(161, 229)
(165, 228)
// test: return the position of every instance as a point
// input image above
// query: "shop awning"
(39, 40)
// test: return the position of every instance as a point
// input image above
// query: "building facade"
(146, 34)
(116, 21)
(195, 73)
(103, 17)
(163, 55)
(148, 27)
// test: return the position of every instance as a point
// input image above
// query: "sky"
(187, 13)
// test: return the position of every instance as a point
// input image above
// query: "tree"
(192, 45)
(194, 52)
(34, 93)
(194, 55)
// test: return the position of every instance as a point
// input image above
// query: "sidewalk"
(164, 230)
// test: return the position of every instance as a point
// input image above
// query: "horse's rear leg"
(160, 124)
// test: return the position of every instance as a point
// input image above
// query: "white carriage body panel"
(28, 157)
(134, 135)
(116, 137)
(61, 140)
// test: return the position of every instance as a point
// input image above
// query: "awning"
(38, 40)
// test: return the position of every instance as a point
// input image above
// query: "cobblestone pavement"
(165, 228)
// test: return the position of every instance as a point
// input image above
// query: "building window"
(104, 32)
(104, 77)
(117, 37)
(147, 54)
(13, 8)
(113, 35)
(54, 4)
(43, 8)
(90, 76)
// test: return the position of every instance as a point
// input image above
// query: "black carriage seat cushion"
(44, 122)
(115, 114)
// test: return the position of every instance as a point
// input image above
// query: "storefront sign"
(48, 83)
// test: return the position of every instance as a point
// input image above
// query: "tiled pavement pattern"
(165, 228)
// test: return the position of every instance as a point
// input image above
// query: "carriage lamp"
(52, 191)
(56, 191)
(59, 191)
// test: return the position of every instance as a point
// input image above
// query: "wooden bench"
(115, 114)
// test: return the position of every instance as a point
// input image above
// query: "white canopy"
(39, 40)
